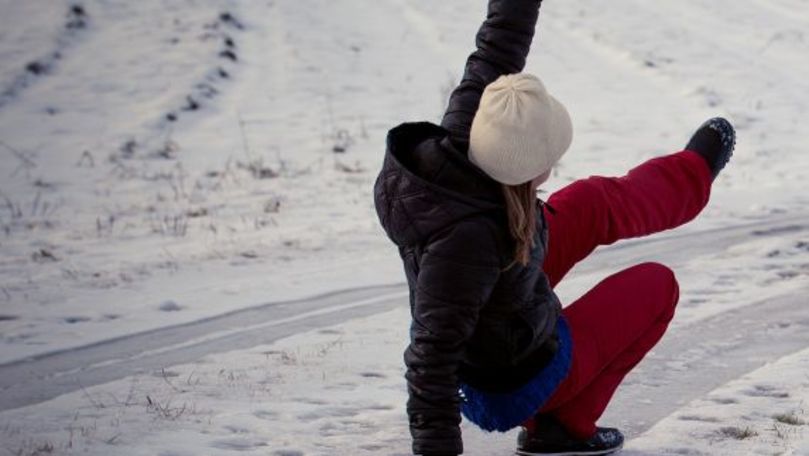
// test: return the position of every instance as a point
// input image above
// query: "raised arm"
(503, 42)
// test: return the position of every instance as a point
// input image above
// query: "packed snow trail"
(43, 377)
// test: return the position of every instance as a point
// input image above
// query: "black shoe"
(714, 140)
(549, 438)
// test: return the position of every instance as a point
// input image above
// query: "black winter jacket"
(473, 319)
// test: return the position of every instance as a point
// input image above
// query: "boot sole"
(571, 453)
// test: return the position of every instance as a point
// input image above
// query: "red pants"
(616, 323)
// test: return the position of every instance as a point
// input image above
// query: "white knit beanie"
(519, 131)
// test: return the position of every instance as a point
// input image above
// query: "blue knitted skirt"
(504, 411)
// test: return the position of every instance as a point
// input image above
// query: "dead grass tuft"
(790, 418)
(738, 433)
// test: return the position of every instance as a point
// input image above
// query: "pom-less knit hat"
(519, 131)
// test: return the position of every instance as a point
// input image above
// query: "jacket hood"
(426, 184)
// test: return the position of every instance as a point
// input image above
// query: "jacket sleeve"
(457, 273)
(503, 42)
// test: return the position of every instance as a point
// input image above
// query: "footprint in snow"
(170, 306)
(724, 400)
(166, 373)
(677, 451)
(309, 400)
(779, 230)
(288, 453)
(766, 391)
(372, 375)
(703, 419)
(335, 412)
(236, 429)
(343, 386)
(238, 444)
(265, 414)
(380, 407)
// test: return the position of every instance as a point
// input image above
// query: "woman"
(489, 338)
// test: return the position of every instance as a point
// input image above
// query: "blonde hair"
(521, 207)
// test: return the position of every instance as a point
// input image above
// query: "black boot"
(549, 438)
(714, 140)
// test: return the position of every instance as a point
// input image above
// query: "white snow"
(115, 219)
(205, 229)
(336, 390)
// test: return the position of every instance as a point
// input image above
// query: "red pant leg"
(659, 194)
(613, 326)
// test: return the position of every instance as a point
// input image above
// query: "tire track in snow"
(43, 377)
(46, 376)
(75, 25)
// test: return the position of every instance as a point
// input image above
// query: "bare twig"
(188, 379)
(111, 440)
(105, 227)
(165, 379)
(26, 161)
(87, 158)
(330, 112)
(363, 128)
(245, 144)
(357, 168)
(164, 410)
(14, 209)
(130, 397)
(35, 204)
(94, 403)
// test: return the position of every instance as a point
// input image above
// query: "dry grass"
(790, 418)
(165, 410)
(32, 448)
(738, 433)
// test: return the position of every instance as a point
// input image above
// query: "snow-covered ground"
(116, 219)
(339, 390)
(169, 161)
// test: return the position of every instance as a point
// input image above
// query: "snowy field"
(172, 162)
